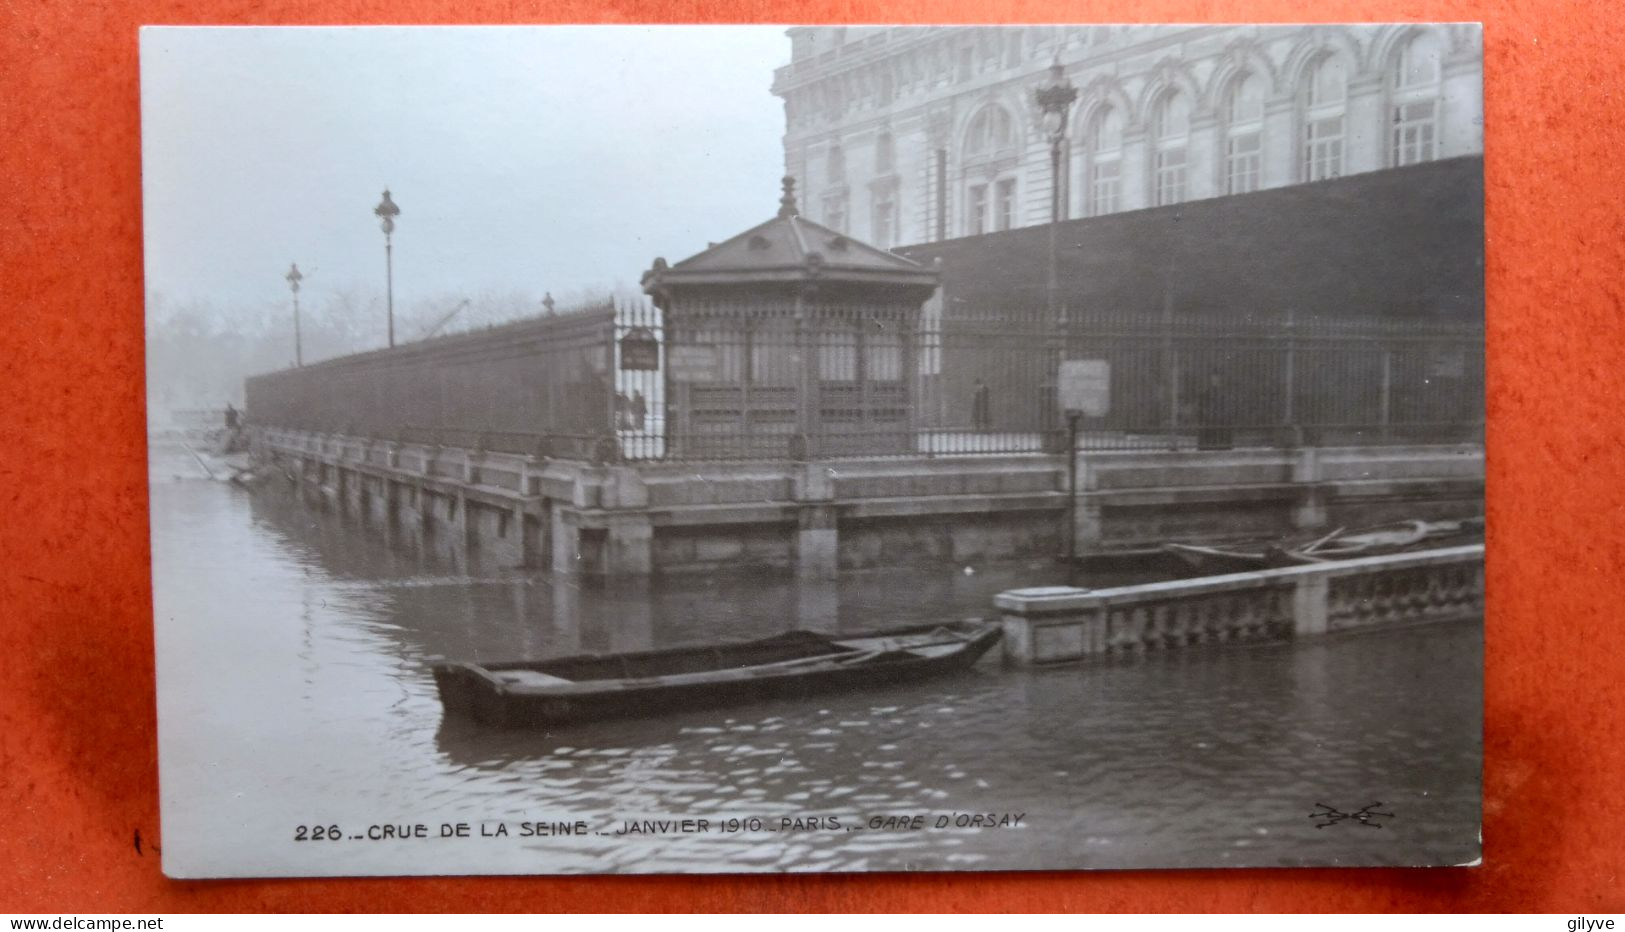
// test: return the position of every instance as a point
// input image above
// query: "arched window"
(1243, 134)
(1415, 83)
(990, 199)
(1170, 132)
(835, 166)
(885, 154)
(835, 199)
(991, 132)
(883, 193)
(1418, 61)
(883, 219)
(1103, 151)
(835, 211)
(1325, 100)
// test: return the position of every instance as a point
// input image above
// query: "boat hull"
(1212, 561)
(473, 691)
(1392, 538)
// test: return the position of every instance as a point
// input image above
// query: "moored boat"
(652, 682)
(1214, 561)
(1338, 545)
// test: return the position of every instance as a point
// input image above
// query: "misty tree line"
(199, 351)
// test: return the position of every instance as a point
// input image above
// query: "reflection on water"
(294, 655)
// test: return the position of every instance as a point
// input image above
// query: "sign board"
(1447, 364)
(640, 351)
(692, 363)
(1086, 386)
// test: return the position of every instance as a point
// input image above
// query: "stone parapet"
(1057, 624)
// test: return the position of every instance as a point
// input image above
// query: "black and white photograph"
(740, 449)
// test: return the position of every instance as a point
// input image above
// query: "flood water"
(295, 692)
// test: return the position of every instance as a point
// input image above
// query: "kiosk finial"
(787, 202)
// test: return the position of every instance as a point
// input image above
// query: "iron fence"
(880, 382)
(543, 385)
(621, 380)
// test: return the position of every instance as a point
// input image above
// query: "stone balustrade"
(1057, 624)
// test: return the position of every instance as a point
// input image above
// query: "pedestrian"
(981, 414)
(232, 418)
(1214, 416)
(640, 408)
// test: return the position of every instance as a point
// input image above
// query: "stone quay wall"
(818, 518)
(1058, 624)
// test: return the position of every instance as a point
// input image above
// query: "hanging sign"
(640, 351)
(1086, 386)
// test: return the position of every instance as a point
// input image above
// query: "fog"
(525, 161)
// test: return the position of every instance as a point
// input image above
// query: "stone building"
(907, 135)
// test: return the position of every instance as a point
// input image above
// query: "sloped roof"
(791, 248)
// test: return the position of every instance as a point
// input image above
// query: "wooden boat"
(1386, 539)
(1217, 561)
(1338, 545)
(651, 682)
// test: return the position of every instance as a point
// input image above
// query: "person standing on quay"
(981, 415)
(1213, 416)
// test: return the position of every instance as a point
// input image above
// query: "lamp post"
(1054, 99)
(387, 212)
(294, 278)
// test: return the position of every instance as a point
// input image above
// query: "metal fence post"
(1386, 399)
(1289, 377)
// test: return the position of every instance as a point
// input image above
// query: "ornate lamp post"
(1054, 99)
(294, 278)
(387, 212)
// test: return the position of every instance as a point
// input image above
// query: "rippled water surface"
(294, 656)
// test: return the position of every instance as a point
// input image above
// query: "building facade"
(908, 135)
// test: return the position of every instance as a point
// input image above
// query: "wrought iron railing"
(622, 381)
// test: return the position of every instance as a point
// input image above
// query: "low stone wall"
(1144, 498)
(1057, 624)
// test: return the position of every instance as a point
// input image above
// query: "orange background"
(78, 770)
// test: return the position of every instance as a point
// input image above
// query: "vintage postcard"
(815, 448)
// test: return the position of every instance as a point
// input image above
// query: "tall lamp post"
(1054, 99)
(387, 212)
(294, 278)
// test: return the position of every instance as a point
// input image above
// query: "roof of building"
(789, 248)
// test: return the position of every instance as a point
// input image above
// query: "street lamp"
(1054, 99)
(387, 212)
(294, 278)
